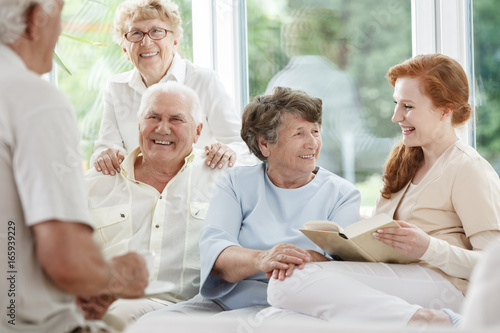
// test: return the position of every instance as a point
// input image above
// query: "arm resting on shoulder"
(109, 133)
(457, 261)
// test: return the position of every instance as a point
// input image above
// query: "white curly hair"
(138, 10)
(13, 17)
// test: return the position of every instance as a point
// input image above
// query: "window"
(256, 44)
(92, 65)
(487, 80)
(339, 51)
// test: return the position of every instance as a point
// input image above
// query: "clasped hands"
(129, 278)
(280, 261)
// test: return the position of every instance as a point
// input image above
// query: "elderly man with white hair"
(48, 255)
(158, 202)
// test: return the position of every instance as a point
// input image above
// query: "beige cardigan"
(457, 201)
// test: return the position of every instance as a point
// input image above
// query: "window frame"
(438, 26)
(450, 32)
(220, 43)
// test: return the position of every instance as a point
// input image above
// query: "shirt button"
(157, 226)
(161, 197)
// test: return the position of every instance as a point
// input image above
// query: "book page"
(335, 244)
(323, 225)
(370, 225)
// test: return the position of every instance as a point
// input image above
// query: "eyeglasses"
(155, 34)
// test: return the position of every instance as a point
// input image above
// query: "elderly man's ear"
(36, 19)
(198, 132)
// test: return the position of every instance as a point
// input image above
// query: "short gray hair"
(262, 118)
(172, 87)
(140, 10)
(13, 18)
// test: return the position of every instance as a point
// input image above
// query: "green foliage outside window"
(376, 35)
(487, 76)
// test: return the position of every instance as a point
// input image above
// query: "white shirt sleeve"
(457, 261)
(109, 134)
(222, 118)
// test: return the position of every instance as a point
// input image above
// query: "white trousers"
(129, 310)
(352, 291)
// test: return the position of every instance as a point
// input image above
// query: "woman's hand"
(219, 154)
(409, 239)
(281, 274)
(281, 259)
(108, 162)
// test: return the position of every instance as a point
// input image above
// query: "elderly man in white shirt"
(158, 202)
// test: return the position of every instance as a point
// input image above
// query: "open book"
(355, 242)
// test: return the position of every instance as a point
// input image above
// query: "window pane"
(92, 65)
(487, 79)
(339, 51)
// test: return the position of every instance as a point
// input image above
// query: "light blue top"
(248, 210)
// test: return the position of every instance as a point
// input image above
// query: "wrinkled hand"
(96, 306)
(219, 154)
(281, 274)
(409, 239)
(282, 258)
(129, 276)
(108, 162)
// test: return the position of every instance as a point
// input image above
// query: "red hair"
(443, 80)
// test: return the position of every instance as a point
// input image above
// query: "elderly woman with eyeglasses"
(149, 32)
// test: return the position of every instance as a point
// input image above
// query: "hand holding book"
(409, 239)
(356, 242)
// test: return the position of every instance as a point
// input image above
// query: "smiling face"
(423, 124)
(295, 155)
(151, 57)
(167, 131)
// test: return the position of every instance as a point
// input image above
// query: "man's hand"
(219, 154)
(129, 276)
(108, 162)
(96, 306)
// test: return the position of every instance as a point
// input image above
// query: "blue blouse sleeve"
(221, 230)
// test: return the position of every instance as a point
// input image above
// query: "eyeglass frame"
(147, 33)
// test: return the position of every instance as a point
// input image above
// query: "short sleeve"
(47, 165)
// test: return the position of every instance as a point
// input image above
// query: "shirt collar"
(128, 163)
(12, 58)
(176, 72)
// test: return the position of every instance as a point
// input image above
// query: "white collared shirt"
(122, 98)
(40, 180)
(133, 216)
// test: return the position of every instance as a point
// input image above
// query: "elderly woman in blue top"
(252, 225)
